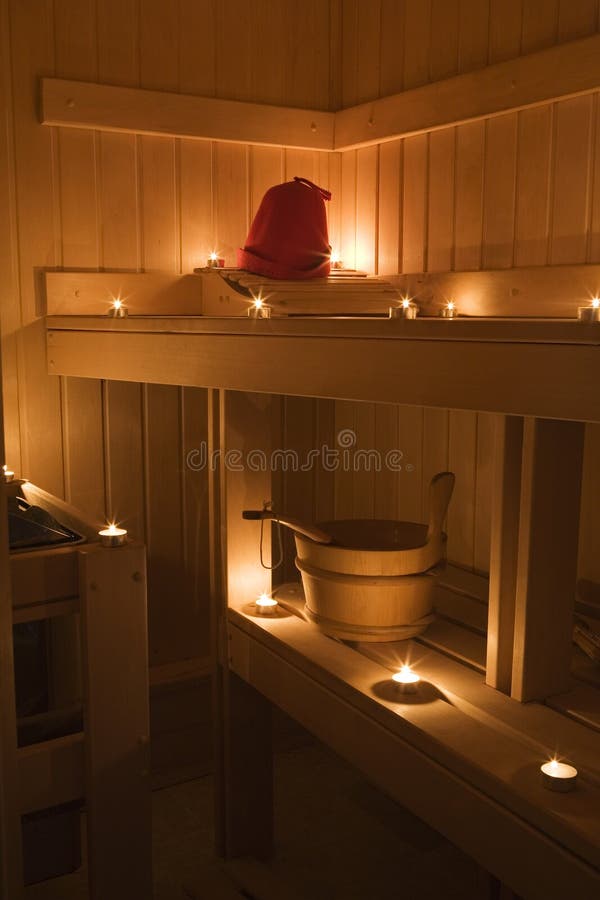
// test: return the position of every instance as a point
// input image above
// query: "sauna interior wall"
(517, 190)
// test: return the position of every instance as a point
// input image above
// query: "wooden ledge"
(339, 695)
(566, 70)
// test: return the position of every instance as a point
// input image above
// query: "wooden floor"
(337, 839)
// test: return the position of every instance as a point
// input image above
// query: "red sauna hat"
(288, 238)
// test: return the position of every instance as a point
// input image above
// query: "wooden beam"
(527, 291)
(506, 488)
(116, 720)
(565, 70)
(51, 773)
(547, 561)
(79, 104)
(514, 378)
(148, 293)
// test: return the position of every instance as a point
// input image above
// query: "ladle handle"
(306, 528)
(440, 492)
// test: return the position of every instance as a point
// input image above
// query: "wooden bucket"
(367, 607)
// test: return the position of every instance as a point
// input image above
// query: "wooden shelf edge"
(566, 70)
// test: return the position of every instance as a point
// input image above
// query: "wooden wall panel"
(521, 189)
(124, 202)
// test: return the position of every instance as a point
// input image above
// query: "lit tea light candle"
(335, 260)
(266, 606)
(8, 474)
(406, 310)
(215, 261)
(449, 311)
(406, 680)
(557, 776)
(259, 309)
(590, 313)
(117, 310)
(113, 536)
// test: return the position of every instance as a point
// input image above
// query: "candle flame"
(258, 302)
(335, 258)
(596, 303)
(213, 256)
(265, 600)
(405, 302)
(451, 304)
(406, 670)
(117, 303)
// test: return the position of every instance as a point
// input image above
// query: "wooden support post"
(243, 716)
(506, 491)
(116, 721)
(547, 560)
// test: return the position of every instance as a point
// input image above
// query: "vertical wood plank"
(540, 25)
(468, 224)
(570, 201)
(298, 488)
(462, 457)
(391, 70)
(473, 34)
(499, 193)
(196, 187)
(159, 45)
(194, 490)
(231, 199)
(159, 211)
(118, 42)
(118, 202)
(390, 189)
(350, 51)
(594, 237)
(348, 208)
(483, 491)
(505, 29)
(324, 476)
(577, 19)
(363, 471)
(197, 24)
(169, 609)
(116, 721)
(10, 309)
(345, 442)
(367, 165)
(415, 203)
(83, 439)
(443, 48)
(441, 201)
(32, 55)
(308, 25)
(417, 30)
(589, 558)
(123, 443)
(234, 51)
(411, 489)
(386, 440)
(506, 494)
(547, 562)
(435, 449)
(533, 175)
(369, 56)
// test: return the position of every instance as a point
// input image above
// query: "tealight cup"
(406, 310)
(557, 776)
(266, 606)
(589, 313)
(406, 681)
(112, 536)
(259, 311)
